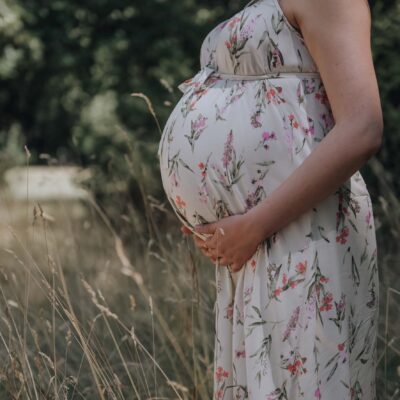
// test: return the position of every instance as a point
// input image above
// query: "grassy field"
(100, 305)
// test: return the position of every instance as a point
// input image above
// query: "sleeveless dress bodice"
(299, 320)
(249, 43)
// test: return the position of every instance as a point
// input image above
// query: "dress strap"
(286, 21)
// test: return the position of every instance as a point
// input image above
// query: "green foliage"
(385, 39)
(59, 59)
(68, 68)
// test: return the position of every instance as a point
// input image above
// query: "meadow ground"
(102, 306)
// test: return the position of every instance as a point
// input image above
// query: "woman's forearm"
(340, 154)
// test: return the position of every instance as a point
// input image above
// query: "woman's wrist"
(256, 225)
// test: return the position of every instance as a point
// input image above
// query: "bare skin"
(337, 34)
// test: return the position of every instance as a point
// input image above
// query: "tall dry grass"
(94, 308)
(120, 306)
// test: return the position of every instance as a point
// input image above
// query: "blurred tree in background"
(68, 68)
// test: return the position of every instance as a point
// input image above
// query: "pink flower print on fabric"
(228, 150)
(256, 120)
(221, 376)
(301, 267)
(273, 95)
(197, 127)
(294, 363)
(179, 202)
(229, 312)
(266, 137)
(368, 218)
(310, 129)
(240, 351)
(343, 235)
(292, 323)
(247, 31)
(203, 192)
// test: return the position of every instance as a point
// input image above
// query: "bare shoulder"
(328, 17)
(299, 12)
(338, 35)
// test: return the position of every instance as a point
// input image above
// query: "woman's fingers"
(185, 230)
(209, 247)
(212, 242)
(201, 244)
(205, 252)
(206, 228)
(236, 267)
(223, 260)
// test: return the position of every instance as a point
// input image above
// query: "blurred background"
(101, 297)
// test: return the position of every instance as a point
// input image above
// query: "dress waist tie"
(205, 72)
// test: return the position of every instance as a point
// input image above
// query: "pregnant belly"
(223, 152)
(218, 160)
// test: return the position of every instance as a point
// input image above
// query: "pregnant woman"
(260, 160)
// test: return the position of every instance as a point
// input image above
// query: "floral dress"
(299, 320)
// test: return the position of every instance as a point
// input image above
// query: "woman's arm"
(337, 34)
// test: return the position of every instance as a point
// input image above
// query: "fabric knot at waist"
(205, 72)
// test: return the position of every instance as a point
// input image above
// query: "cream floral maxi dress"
(299, 320)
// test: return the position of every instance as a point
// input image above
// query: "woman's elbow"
(374, 131)
(367, 132)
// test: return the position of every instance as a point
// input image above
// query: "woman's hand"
(200, 243)
(233, 240)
